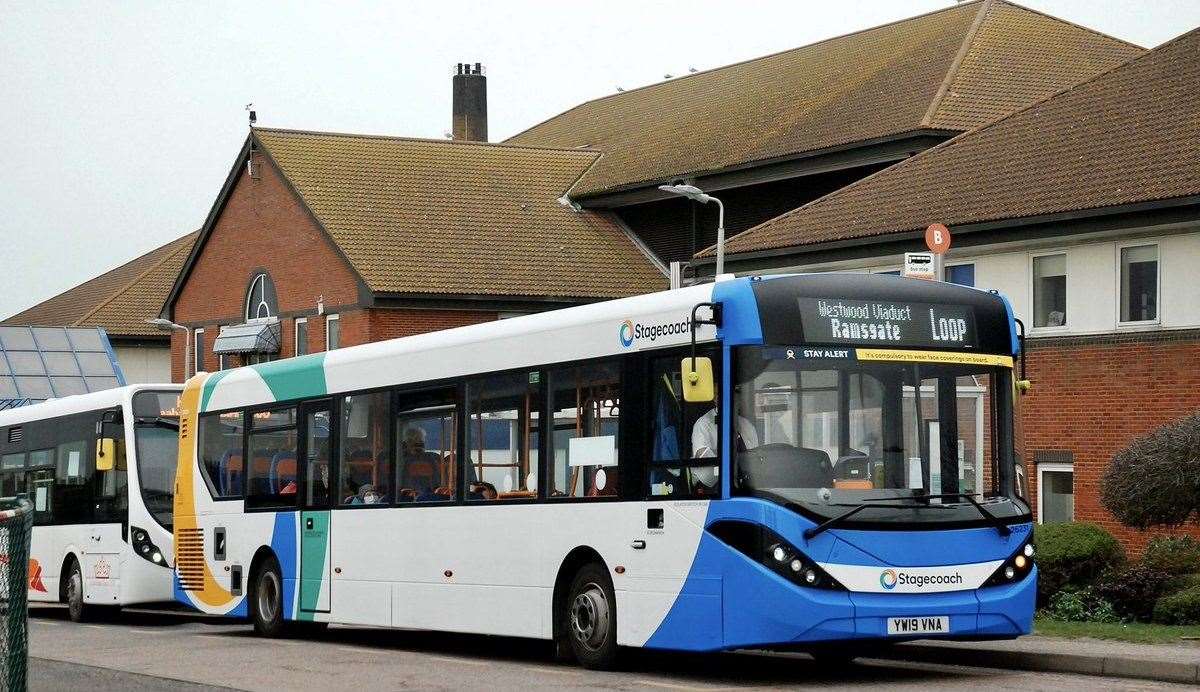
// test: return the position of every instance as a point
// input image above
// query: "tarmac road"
(162, 650)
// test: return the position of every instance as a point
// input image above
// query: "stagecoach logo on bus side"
(630, 331)
(887, 579)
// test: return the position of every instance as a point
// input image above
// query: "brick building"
(775, 132)
(121, 300)
(322, 240)
(1084, 209)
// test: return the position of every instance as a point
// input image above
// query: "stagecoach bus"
(99, 470)
(777, 461)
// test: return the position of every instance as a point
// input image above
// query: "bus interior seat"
(260, 472)
(283, 470)
(230, 470)
(610, 483)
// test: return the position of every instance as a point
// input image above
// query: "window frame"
(947, 267)
(625, 463)
(296, 341)
(212, 488)
(255, 503)
(1120, 282)
(333, 317)
(1066, 325)
(711, 350)
(197, 350)
(1055, 467)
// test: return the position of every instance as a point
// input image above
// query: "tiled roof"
(119, 300)
(952, 69)
(419, 216)
(1129, 135)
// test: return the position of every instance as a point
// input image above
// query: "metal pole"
(187, 351)
(720, 236)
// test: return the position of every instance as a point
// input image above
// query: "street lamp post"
(166, 324)
(697, 195)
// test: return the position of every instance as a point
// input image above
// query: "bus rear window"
(221, 459)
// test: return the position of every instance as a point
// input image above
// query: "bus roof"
(79, 403)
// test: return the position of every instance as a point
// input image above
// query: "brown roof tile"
(119, 300)
(1129, 135)
(421, 216)
(955, 69)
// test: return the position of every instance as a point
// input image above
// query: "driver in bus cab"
(705, 444)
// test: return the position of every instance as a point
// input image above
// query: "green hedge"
(1132, 591)
(1181, 608)
(1173, 554)
(1073, 555)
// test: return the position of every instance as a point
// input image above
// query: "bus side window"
(271, 468)
(680, 433)
(366, 457)
(585, 402)
(504, 433)
(220, 436)
(427, 446)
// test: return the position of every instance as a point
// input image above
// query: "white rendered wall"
(144, 364)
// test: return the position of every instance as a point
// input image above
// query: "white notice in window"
(39, 501)
(593, 451)
(73, 464)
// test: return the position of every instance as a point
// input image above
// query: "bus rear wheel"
(266, 600)
(589, 618)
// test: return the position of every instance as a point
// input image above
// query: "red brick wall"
(1095, 395)
(264, 227)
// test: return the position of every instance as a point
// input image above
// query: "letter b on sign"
(937, 238)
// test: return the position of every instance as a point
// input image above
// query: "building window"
(1139, 283)
(961, 274)
(301, 336)
(198, 351)
(1056, 493)
(260, 298)
(333, 332)
(1050, 290)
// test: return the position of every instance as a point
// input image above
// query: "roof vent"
(15, 435)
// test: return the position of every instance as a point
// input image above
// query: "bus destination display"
(883, 322)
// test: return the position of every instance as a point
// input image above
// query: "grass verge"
(1139, 632)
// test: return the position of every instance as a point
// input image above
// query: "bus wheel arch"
(270, 624)
(64, 574)
(582, 559)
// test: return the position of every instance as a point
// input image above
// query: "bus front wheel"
(589, 618)
(266, 601)
(76, 608)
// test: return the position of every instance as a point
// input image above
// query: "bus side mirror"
(106, 454)
(698, 386)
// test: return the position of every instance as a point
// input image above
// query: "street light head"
(690, 191)
(163, 323)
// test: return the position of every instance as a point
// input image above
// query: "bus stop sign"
(937, 238)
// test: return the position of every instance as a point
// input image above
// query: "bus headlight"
(770, 550)
(1014, 569)
(145, 548)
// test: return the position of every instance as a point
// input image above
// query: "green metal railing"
(16, 524)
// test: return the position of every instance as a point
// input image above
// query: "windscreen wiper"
(995, 521)
(866, 502)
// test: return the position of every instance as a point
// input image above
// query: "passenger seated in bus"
(481, 490)
(367, 495)
(420, 467)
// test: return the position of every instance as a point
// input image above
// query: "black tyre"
(73, 593)
(589, 618)
(266, 600)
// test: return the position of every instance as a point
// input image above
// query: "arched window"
(260, 298)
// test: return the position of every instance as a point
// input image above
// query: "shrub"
(1173, 554)
(1133, 590)
(1073, 555)
(1183, 582)
(1083, 605)
(1156, 480)
(1181, 608)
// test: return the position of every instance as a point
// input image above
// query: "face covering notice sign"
(881, 322)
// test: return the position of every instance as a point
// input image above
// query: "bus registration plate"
(919, 625)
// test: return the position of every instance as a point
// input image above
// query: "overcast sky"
(120, 121)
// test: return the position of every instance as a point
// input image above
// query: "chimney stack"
(470, 103)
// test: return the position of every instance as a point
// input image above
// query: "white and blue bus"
(761, 462)
(99, 470)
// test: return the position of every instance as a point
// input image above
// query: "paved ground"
(144, 650)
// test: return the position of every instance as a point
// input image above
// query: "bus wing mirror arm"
(1023, 385)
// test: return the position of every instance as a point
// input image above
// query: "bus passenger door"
(314, 518)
